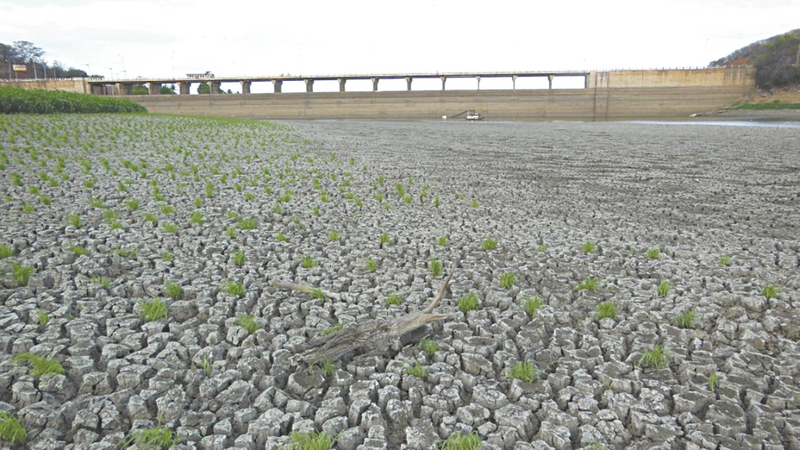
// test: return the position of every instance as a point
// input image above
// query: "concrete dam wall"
(607, 95)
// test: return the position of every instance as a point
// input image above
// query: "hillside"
(776, 60)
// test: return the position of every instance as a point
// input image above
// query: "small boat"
(472, 115)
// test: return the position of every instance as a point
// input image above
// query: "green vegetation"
(771, 290)
(78, 250)
(524, 371)
(311, 441)
(686, 319)
(458, 441)
(605, 310)
(173, 290)
(532, 304)
(248, 224)
(239, 258)
(75, 220)
(249, 323)
(37, 101)
(333, 329)
(153, 310)
(307, 262)
(6, 251)
(166, 256)
(103, 282)
(436, 267)
(765, 106)
(153, 438)
(234, 288)
(333, 236)
(170, 228)
(42, 317)
(489, 244)
(428, 346)
(11, 429)
(507, 280)
(196, 218)
(773, 59)
(371, 265)
(713, 382)
(588, 284)
(541, 248)
(468, 302)
(663, 288)
(655, 358)
(588, 247)
(40, 365)
(416, 370)
(394, 299)
(21, 273)
(280, 237)
(653, 253)
(442, 241)
(318, 294)
(384, 239)
(725, 260)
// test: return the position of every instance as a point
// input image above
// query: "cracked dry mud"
(541, 190)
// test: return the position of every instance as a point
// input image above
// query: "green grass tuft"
(532, 304)
(42, 317)
(333, 236)
(11, 429)
(468, 302)
(686, 319)
(428, 346)
(394, 299)
(384, 239)
(239, 258)
(606, 310)
(653, 253)
(663, 289)
(442, 241)
(458, 441)
(416, 370)
(249, 323)
(507, 280)
(725, 260)
(248, 224)
(311, 441)
(489, 244)
(333, 329)
(153, 438)
(21, 273)
(713, 381)
(588, 284)
(436, 267)
(40, 365)
(655, 358)
(6, 251)
(771, 290)
(524, 371)
(371, 265)
(234, 288)
(153, 310)
(307, 262)
(173, 290)
(588, 247)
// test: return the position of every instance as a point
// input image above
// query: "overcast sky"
(265, 37)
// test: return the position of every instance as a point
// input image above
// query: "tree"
(139, 89)
(26, 52)
(203, 88)
(775, 66)
(170, 90)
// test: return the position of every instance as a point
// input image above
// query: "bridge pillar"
(97, 89)
(586, 81)
(408, 82)
(184, 87)
(342, 81)
(309, 84)
(124, 88)
(479, 81)
(155, 88)
(375, 84)
(276, 85)
(246, 87)
(550, 81)
(444, 80)
(513, 82)
(215, 87)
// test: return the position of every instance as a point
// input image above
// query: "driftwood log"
(368, 335)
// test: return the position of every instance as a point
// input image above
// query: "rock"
(489, 397)
(420, 435)
(350, 438)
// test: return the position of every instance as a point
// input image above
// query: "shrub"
(605, 310)
(170, 228)
(468, 303)
(11, 429)
(489, 244)
(153, 310)
(40, 365)
(524, 371)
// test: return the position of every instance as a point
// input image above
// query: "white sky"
(267, 37)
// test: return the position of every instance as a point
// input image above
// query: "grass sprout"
(588, 247)
(416, 370)
(532, 304)
(605, 310)
(468, 302)
(153, 310)
(655, 358)
(686, 319)
(311, 441)
(663, 289)
(428, 346)
(436, 267)
(40, 365)
(11, 429)
(458, 441)
(489, 244)
(588, 284)
(249, 323)
(524, 371)
(507, 280)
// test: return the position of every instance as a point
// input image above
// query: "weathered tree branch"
(370, 334)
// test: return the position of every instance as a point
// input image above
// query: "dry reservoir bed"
(642, 290)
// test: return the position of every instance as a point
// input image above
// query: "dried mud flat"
(721, 204)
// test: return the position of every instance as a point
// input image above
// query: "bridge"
(123, 86)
